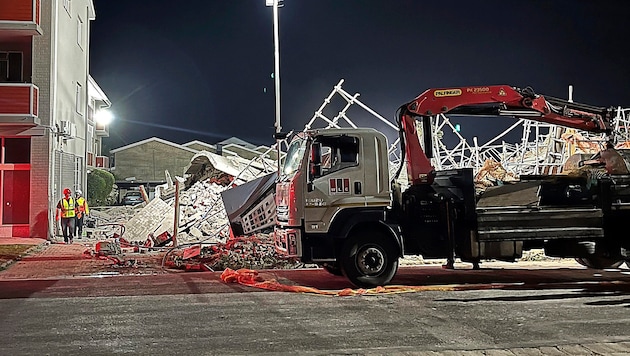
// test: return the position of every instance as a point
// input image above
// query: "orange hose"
(251, 278)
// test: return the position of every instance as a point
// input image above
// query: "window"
(4, 67)
(89, 142)
(339, 152)
(78, 95)
(80, 32)
(78, 172)
(17, 150)
(11, 67)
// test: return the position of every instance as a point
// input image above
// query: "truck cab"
(333, 188)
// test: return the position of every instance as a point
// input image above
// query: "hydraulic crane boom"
(496, 100)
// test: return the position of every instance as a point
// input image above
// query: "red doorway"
(15, 180)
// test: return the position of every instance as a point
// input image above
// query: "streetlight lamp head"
(104, 117)
(270, 3)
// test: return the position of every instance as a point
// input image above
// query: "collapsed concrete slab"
(149, 220)
(251, 206)
(206, 165)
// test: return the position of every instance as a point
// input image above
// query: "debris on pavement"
(204, 238)
(253, 252)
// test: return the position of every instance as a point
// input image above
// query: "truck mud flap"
(522, 223)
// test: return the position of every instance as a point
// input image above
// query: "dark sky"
(198, 69)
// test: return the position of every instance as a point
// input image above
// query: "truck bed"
(540, 209)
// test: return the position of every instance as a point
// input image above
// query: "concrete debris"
(145, 221)
(202, 211)
(206, 165)
(252, 252)
(579, 143)
(202, 217)
(203, 224)
(251, 206)
(492, 174)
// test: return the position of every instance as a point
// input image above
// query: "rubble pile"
(202, 214)
(492, 174)
(109, 222)
(252, 252)
(203, 224)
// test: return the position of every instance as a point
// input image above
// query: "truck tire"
(599, 262)
(369, 259)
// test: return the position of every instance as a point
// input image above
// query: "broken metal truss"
(543, 148)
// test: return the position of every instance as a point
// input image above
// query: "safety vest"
(67, 208)
(82, 207)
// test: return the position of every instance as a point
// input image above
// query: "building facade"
(147, 160)
(47, 109)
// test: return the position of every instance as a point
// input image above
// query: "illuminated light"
(103, 117)
(458, 127)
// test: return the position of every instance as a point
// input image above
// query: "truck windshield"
(295, 153)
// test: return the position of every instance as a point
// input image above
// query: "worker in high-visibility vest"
(66, 211)
(81, 211)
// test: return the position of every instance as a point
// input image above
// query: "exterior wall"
(41, 145)
(55, 57)
(148, 161)
(58, 65)
(72, 69)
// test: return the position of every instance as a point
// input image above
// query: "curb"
(34, 248)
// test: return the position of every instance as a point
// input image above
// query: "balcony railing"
(19, 104)
(20, 17)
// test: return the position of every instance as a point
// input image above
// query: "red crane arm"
(495, 100)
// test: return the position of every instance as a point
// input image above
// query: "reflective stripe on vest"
(67, 208)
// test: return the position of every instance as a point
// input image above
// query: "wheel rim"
(371, 261)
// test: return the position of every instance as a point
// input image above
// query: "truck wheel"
(599, 262)
(369, 259)
(333, 269)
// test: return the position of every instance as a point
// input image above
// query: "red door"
(15, 197)
(15, 180)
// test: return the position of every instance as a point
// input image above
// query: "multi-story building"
(48, 102)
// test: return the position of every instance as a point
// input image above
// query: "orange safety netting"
(251, 278)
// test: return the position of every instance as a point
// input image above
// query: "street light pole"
(276, 74)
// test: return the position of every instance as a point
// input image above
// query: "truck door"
(338, 183)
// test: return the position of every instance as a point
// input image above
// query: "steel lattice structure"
(542, 149)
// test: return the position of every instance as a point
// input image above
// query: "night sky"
(201, 69)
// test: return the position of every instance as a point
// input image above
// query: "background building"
(46, 115)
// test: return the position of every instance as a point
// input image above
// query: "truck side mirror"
(315, 164)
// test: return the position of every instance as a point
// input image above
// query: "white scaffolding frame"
(541, 150)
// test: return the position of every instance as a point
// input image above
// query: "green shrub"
(99, 186)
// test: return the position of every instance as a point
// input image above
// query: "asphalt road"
(565, 311)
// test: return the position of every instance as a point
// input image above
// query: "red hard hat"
(67, 191)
